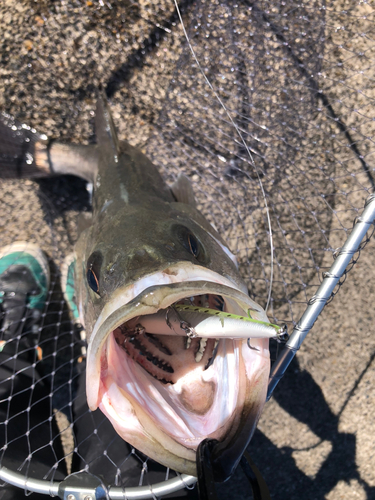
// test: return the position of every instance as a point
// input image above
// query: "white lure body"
(206, 323)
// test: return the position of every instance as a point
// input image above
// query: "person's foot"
(24, 284)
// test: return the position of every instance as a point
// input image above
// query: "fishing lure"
(203, 322)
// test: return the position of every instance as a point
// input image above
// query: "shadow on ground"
(302, 398)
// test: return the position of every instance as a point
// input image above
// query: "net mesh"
(295, 78)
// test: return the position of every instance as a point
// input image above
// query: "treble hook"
(251, 347)
(184, 325)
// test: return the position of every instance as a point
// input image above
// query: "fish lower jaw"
(151, 416)
(164, 393)
(199, 403)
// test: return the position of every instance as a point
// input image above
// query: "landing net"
(297, 79)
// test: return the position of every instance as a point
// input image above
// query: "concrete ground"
(315, 439)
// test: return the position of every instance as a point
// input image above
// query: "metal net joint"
(82, 486)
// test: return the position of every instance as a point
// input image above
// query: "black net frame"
(297, 80)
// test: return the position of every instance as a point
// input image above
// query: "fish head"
(165, 393)
(155, 237)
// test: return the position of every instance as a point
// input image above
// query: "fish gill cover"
(297, 80)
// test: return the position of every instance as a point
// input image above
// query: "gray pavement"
(315, 439)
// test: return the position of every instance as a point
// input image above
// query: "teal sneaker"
(24, 284)
(24, 271)
(67, 285)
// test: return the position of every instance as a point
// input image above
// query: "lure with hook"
(208, 323)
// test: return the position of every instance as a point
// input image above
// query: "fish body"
(147, 249)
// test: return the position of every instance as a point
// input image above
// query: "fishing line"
(245, 145)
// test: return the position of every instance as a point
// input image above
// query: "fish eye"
(93, 271)
(189, 241)
(193, 244)
(92, 280)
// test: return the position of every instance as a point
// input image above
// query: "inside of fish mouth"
(167, 357)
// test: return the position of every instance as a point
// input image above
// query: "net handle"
(323, 294)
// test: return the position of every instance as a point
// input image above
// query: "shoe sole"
(64, 269)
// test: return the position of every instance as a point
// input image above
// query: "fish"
(146, 255)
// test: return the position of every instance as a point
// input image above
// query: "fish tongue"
(196, 394)
(168, 359)
(194, 391)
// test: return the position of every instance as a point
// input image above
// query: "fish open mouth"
(168, 357)
(173, 389)
(189, 385)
